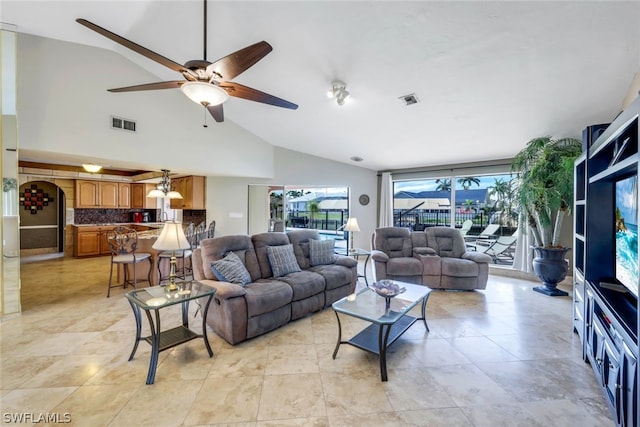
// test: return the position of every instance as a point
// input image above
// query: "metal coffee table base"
(377, 338)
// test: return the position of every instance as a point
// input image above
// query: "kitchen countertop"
(115, 224)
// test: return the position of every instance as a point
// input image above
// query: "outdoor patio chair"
(466, 226)
(500, 249)
(484, 236)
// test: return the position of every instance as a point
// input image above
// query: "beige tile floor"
(506, 356)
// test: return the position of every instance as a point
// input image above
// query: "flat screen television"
(626, 228)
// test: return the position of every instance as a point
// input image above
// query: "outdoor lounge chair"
(499, 249)
(485, 234)
(466, 226)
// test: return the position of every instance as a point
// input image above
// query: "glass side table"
(356, 254)
(154, 299)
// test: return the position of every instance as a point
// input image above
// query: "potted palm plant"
(545, 197)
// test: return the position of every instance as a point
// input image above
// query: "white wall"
(64, 107)
(228, 197)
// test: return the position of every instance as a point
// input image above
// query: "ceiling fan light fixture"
(204, 93)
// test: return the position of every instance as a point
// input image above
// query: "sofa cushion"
(231, 269)
(458, 267)
(334, 275)
(282, 260)
(321, 252)
(266, 295)
(304, 284)
(404, 266)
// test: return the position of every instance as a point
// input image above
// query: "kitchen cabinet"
(124, 195)
(139, 199)
(91, 241)
(87, 194)
(102, 194)
(192, 189)
(108, 194)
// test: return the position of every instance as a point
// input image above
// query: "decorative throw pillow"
(321, 252)
(282, 260)
(231, 269)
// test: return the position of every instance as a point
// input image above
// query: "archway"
(42, 218)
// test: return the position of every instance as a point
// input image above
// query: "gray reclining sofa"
(238, 312)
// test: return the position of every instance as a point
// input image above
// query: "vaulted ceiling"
(489, 76)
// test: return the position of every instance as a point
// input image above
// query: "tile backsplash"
(107, 216)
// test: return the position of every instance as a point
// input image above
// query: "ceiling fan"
(207, 83)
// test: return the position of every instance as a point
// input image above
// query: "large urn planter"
(550, 267)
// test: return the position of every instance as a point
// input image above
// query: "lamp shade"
(173, 195)
(352, 225)
(204, 93)
(171, 238)
(155, 194)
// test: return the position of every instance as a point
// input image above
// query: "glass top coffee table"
(387, 325)
(157, 298)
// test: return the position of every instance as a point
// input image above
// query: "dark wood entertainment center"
(605, 316)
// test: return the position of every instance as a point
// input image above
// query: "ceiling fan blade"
(136, 47)
(217, 112)
(237, 62)
(150, 86)
(239, 91)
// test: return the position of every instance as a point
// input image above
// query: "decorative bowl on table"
(387, 289)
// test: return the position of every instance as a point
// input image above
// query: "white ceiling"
(489, 75)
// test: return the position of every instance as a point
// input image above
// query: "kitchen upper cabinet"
(102, 194)
(87, 194)
(124, 195)
(139, 199)
(192, 189)
(108, 194)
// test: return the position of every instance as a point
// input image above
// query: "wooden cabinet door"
(139, 199)
(104, 245)
(87, 193)
(192, 189)
(87, 243)
(179, 185)
(198, 187)
(108, 194)
(137, 196)
(124, 195)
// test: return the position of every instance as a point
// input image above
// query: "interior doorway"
(41, 207)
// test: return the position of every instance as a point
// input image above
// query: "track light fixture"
(339, 92)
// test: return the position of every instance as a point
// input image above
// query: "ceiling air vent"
(123, 124)
(409, 99)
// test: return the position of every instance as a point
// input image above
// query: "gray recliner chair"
(436, 257)
(460, 269)
(399, 254)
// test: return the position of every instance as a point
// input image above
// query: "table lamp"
(172, 239)
(352, 225)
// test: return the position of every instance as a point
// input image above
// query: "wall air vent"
(123, 124)
(409, 99)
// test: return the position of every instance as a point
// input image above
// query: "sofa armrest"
(346, 261)
(424, 251)
(225, 290)
(477, 257)
(379, 256)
